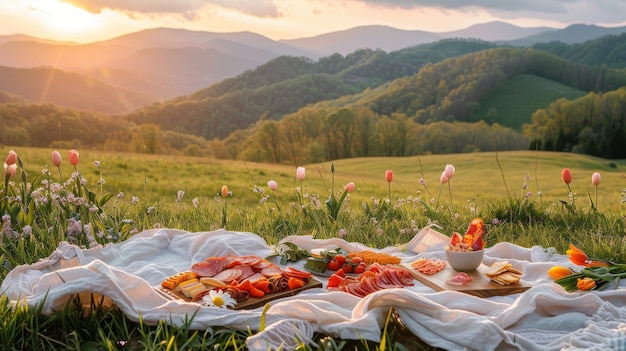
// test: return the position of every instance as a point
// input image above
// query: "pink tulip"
(449, 171)
(300, 173)
(595, 179)
(350, 187)
(389, 176)
(56, 158)
(272, 185)
(566, 175)
(224, 191)
(11, 158)
(443, 179)
(73, 157)
(10, 170)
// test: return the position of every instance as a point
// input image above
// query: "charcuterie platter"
(245, 282)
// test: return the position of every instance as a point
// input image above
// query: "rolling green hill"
(513, 102)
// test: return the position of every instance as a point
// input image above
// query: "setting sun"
(63, 18)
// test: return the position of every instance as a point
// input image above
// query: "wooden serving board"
(252, 302)
(480, 286)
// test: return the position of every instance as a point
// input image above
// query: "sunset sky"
(94, 20)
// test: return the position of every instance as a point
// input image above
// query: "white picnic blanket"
(545, 317)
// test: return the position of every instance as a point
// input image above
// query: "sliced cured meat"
(228, 275)
(255, 277)
(296, 273)
(461, 278)
(271, 270)
(261, 264)
(250, 260)
(246, 271)
(209, 267)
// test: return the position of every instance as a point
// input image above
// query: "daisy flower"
(218, 298)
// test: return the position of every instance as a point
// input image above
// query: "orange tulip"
(566, 175)
(596, 264)
(73, 157)
(585, 284)
(224, 191)
(576, 255)
(389, 176)
(558, 272)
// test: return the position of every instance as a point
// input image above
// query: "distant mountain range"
(159, 64)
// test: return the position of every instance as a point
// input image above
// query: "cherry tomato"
(347, 268)
(340, 258)
(356, 259)
(359, 269)
(333, 265)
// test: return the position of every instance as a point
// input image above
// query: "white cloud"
(188, 9)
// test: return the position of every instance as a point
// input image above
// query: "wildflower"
(56, 158)
(73, 157)
(300, 173)
(342, 233)
(218, 298)
(389, 178)
(179, 196)
(134, 200)
(96, 163)
(444, 178)
(195, 202)
(566, 175)
(449, 171)
(11, 158)
(389, 175)
(224, 191)
(350, 187)
(120, 195)
(585, 283)
(379, 231)
(558, 272)
(10, 170)
(595, 180)
(272, 185)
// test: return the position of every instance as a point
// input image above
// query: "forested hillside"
(47, 125)
(287, 83)
(435, 98)
(609, 50)
(594, 124)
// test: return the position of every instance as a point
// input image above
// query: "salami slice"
(271, 270)
(228, 275)
(210, 267)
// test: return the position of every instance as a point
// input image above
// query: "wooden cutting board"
(480, 286)
(252, 302)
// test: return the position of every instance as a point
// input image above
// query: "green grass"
(516, 99)
(485, 185)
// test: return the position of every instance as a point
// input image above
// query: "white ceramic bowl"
(462, 261)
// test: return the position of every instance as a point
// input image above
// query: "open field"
(480, 178)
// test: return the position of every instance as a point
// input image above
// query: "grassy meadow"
(502, 188)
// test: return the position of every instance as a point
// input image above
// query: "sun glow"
(64, 19)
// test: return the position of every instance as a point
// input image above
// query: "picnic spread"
(508, 303)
